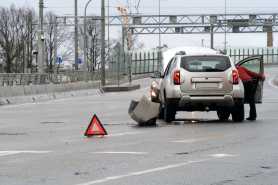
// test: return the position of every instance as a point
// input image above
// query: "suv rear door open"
(255, 64)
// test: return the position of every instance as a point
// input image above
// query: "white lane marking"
(77, 139)
(130, 153)
(271, 83)
(13, 152)
(123, 134)
(194, 140)
(189, 140)
(222, 155)
(152, 170)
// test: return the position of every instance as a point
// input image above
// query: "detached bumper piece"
(144, 112)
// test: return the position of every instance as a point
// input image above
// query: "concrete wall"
(34, 93)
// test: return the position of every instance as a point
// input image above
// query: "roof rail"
(181, 53)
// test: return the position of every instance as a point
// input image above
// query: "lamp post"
(225, 34)
(41, 39)
(85, 65)
(102, 42)
(159, 34)
(75, 35)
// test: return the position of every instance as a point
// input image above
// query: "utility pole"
(159, 34)
(75, 35)
(85, 65)
(102, 43)
(225, 34)
(55, 45)
(41, 39)
(211, 36)
(270, 37)
(213, 21)
(108, 31)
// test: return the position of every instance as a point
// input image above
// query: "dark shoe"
(251, 118)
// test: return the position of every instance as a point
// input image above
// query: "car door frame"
(165, 75)
(259, 90)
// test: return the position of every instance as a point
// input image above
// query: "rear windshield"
(205, 63)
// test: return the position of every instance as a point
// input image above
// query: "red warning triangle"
(95, 128)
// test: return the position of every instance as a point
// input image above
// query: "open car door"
(255, 64)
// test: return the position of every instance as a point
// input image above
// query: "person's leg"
(253, 112)
(249, 98)
(252, 104)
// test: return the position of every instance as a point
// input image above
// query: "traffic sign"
(80, 61)
(59, 60)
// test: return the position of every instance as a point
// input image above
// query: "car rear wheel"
(169, 112)
(238, 112)
(223, 115)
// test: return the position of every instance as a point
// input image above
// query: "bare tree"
(49, 40)
(63, 37)
(14, 35)
(93, 30)
(94, 49)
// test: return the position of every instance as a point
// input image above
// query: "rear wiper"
(213, 70)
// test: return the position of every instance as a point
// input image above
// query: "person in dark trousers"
(250, 87)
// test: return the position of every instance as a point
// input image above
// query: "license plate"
(207, 85)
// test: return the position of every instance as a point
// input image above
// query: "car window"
(205, 63)
(172, 66)
(168, 66)
(253, 65)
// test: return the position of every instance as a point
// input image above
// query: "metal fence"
(270, 54)
(134, 64)
(145, 62)
(140, 63)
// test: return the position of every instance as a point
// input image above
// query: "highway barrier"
(34, 93)
(144, 112)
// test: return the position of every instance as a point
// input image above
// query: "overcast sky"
(65, 7)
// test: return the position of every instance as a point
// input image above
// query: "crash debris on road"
(144, 112)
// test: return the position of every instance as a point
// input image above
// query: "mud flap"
(144, 112)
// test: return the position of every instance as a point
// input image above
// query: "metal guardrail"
(112, 78)
(22, 79)
(38, 79)
(74, 76)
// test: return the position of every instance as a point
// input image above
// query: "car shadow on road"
(181, 121)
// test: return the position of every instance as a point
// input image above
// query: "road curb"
(121, 88)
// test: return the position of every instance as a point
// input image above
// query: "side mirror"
(156, 74)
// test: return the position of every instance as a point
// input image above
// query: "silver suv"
(196, 81)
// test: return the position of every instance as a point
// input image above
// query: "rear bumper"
(204, 103)
(225, 100)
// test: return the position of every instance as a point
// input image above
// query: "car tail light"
(176, 77)
(235, 77)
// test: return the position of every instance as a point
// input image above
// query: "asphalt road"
(43, 143)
